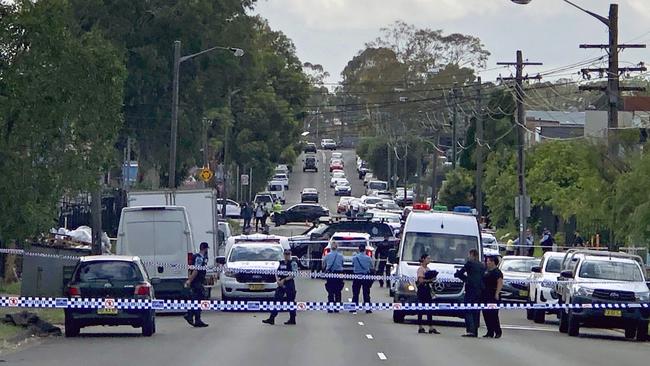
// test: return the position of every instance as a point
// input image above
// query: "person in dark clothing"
(472, 275)
(286, 290)
(424, 281)
(579, 241)
(381, 254)
(195, 283)
(493, 281)
(247, 214)
(547, 241)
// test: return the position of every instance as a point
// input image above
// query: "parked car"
(387, 195)
(264, 198)
(110, 276)
(336, 176)
(337, 155)
(328, 144)
(376, 185)
(310, 162)
(342, 188)
(516, 268)
(302, 212)
(394, 220)
(309, 195)
(542, 285)
(370, 201)
(389, 206)
(336, 164)
(310, 147)
(282, 169)
(233, 209)
(284, 178)
(348, 246)
(344, 203)
(404, 198)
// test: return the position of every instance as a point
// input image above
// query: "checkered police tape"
(216, 305)
(443, 276)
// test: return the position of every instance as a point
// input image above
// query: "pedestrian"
(381, 255)
(333, 263)
(247, 214)
(547, 241)
(578, 241)
(362, 265)
(259, 214)
(493, 282)
(266, 211)
(510, 248)
(286, 290)
(424, 292)
(195, 284)
(472, 274)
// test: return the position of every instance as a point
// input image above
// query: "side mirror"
(155, 281)
(566, 274)
(536, 269)
(220, 260)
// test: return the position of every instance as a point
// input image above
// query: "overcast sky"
(331, 32)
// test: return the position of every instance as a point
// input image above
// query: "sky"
(331, 32)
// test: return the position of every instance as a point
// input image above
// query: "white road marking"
(382, 356)
(523, 327)
(369, 336)
(360, 323)
(349, 299)
(347, 289)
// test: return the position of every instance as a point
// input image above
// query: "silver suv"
(595, 277)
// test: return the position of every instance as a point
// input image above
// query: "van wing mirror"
(220, 260)
(536, 269)
(566, 274)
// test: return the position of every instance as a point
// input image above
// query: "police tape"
(217, 305)
(447, 276)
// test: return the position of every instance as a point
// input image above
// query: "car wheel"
(539, 316)
(72, 329)
(630, 332)
(303, 262)
(642, 331)
(398, 316)
(530, 314)
(573, 326)
(564, 324)
(304, 170)
(149, 325)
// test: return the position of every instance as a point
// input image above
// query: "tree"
(61, 93)
(458, 188)
(500, 187)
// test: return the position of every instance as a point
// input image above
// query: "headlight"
(408, 287)
(643, 296)
(584, 291)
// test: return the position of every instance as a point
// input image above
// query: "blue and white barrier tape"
(216, 305)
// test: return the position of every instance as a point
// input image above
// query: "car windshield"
(443, 248)
(378, 185)
(280, 176)
(554, 265)
(342, 182)
(108, 271)
(392, 219)
(338, 175)
(611, 270)
(256, 253)
(518, 265)
(488, 240)
(275, 188)
(265, 198)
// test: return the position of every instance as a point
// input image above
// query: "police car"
(246, 254)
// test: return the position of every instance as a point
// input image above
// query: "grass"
(10, 288)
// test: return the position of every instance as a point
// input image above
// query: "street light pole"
(178, 59)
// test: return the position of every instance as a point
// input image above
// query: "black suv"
(310, 163)
(114, 277)
(310, 148)
(304, 250)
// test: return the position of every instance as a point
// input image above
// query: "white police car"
(542, 285)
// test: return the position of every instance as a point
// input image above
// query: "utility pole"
(522, 201)
(434, 170)
(128, 163)
(479, 149)
(613, 89)
(454, 141)
(174, 132)
(96, 216)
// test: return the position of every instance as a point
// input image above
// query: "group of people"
(260, 212)
(528, 248)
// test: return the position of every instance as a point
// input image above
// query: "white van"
(447, 238)
(159, 234)
(277, 187)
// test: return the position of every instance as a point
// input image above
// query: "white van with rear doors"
(447, 237)
(277, 187)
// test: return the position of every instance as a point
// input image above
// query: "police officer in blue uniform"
(333, 263)
(195, 283)
(286, 290)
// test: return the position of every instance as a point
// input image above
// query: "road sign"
(206, 174)
(244, 179)
(395, 178)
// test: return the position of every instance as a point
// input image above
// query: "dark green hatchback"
(114, 277)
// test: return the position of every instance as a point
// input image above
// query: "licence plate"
(107, 311)
(256, 287)
(347, 253)
(523, 293)
(610, 312)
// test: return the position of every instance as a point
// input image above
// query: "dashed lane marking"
(382, 356)
(360, 323)
(349, 299)
(347, 289)
(369, 336)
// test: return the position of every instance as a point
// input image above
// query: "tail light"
(326, 251)
(73, 291)
(190, 257)
(143, 289)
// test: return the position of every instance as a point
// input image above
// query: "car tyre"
(539, 316)
(398, 316)
(564, 324)
(573, 326)
(642, 332)
(530, 314)
(149, 325)
(630, 332)
(72, 329)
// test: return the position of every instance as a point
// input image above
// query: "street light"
(178, 59)
(599, 17)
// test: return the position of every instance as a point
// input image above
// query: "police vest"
(285, 266)
(202, 261)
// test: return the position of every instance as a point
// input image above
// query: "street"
(319, 338)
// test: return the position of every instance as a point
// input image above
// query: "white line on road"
(523, 327)
(360, 323)
(382, 356)
(369, 336)
(349, 299)
(347, 289)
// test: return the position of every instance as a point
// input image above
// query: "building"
(541, 125)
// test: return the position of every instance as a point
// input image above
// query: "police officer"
(362, 264)
(195, 283)
(286, 290)
(382, 257)
(472, 274)
(333, 263)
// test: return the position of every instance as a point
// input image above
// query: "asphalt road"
(330, 339)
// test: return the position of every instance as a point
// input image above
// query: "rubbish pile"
(80, 238)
